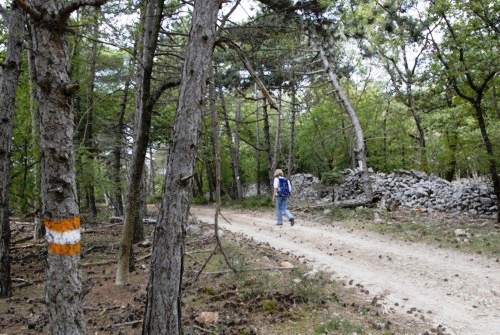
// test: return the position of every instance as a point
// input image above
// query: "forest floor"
(325, 275)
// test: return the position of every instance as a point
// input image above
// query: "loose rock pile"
(416, 189)
(413, 189)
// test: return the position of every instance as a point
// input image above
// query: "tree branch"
(166, 84)
(66, 11)
(225, 18)
(250, 70)
(28, 8)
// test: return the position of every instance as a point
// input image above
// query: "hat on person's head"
(278, 172)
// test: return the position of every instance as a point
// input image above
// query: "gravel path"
(456, 290)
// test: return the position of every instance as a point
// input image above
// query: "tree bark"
(163, 303)
(277, 142)
(55, 93)
(257, 138)
(9, 77)
(144, 112)
(291, 150)
(267, 143)
(117, 154)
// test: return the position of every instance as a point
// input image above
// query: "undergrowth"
(254, 292)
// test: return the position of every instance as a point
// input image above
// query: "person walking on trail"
(281, 191)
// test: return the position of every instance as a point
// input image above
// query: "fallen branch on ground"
(130, 323)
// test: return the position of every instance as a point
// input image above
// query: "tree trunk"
(152, 173)
(163, 303)
(233, 139)
(277, 142)
(144, 111)
(141, 212)
(292, 132)
(60, 208)
(117, 154)
(360, 150)
(236, 154)
(230, 139)
(60, 211)
(424, 165)
(267, 143)
(88, 138)
(212, 96)
(257, 138)
(39, 231)
(209, 167)
(489, 149)
(9, 77)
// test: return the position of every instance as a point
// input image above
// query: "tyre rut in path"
(456, 290)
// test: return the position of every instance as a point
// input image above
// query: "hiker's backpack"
(283, 189)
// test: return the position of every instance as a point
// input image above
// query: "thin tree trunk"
(152, 184)
(232, 148)
(292, 132)
(277, 141)
(117, 154)
(39, 231)
(198, 190)
(163, 302)
(88, 138)
(9, 77)
(215, 136)
(144, 111)
(141, 212)
(209, 166)
(424, 165)
(257, 138)
(451, 135)
(360, 150)
(236, 154)
(267, 143)
(386, 154)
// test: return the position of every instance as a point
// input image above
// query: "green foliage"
(331, 178)
(308, 289)
(339, 326)
(269, 306)
(321, 143)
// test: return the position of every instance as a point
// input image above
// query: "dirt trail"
(456, 290)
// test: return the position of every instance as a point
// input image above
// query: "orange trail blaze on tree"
(63, 236)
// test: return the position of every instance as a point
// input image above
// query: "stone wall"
(416, 189)
(412, 189)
